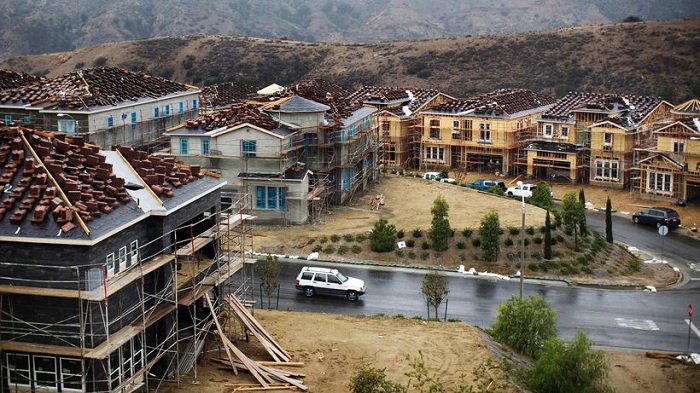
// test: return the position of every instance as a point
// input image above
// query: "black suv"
(657, 216)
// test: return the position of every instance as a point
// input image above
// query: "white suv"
(324, 281)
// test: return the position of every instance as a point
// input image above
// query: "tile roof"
(62, 188)
(627, 109)
(231, 117)
(415, 98)
(94, 87)
(297, 104)
(501, 102)
(326, 93)
(224, 94)
(12, 80)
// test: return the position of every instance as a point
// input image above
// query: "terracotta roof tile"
(13, 80)
(498, 103)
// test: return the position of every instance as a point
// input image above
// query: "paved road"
(613, 318)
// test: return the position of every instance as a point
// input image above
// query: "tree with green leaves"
(383, 236)
(570, 367)
(573, 214)
(525, 324)
(373, 380)
(547, 237)
(440, 230)
(490, 234)
(435, 288)
(269, 272)
(608, 221)
(542, 196)
(582, 200)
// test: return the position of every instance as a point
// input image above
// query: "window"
(110, 121)
(205, 147)
(167, 110)
(320, 277)
(660, 181)
(386, 125)
(455, 124)
(70, 375)
(8, 119)
(194, 104)
(565, 132)
(181, 107)
(18, 372)
(122, 259)
(467, 126)
(606, 169)
(678, 146)
(434, 129)
(548, 130)
(607, 138)
(248, 148)
(134, 251)
(485, 132)
(45, 372)
(333, 279)
(272, 198)
(133, 120)
(27, 119)
(184, 145)
(435, 153)
(111, 262)
(66, 125)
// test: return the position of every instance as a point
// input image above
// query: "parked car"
(657, 216)
(438, 176)
(486, 184)
(325, 281)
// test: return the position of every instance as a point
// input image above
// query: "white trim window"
(548, 130)
(485, 132)
(45, 372)
(565, 132)
(606, 169)
(607, 139)
(435, 154)
(18, 370)
(71, 379)
(111, 264)
(660, 182)
(134, 252)
(122, 259)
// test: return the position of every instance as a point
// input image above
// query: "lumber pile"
(268, 342)
(270, 378)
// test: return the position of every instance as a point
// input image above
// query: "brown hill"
(640, 58)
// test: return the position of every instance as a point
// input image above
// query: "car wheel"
(658, 224)
(309, 291)
(509, 193)
(351, 295)
(636, 220)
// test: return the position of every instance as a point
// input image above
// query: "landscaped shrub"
(513, 230)
(417, 232)
(533, 267)
(342, 250)
(412, 255)
(476, 242)
(467, 232)
(360, 238)
(527, 241)
(400, 234)
(349, 238)
(530, 230)
(335, 238)
(536, 255)
(424, 255)
(509, 242)
(317, 248)
(560, 238)
(461, 245)
(399, 253)
(311, 241)
(543, 229)
(324, 239)
(356, 249)
(329, 250)
(537, 239)
(410, 243)
(425, 245)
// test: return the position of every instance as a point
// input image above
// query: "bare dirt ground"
(333, 347)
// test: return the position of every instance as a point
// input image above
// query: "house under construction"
(108, 260)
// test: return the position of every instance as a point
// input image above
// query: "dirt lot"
(332, 347)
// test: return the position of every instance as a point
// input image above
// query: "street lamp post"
(75, 122)
(522, 240)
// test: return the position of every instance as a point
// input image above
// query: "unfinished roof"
(503, 102)
(92, 88)
(13, 80)
(271, 89)
(64, 189)
(397, 100)
(326, 93)
(230, 117)
(225, 94)
(689, 108)
(623, 110)
(297, 104)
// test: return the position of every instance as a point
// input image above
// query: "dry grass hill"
(640, 58)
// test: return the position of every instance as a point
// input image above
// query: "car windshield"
(341, 277)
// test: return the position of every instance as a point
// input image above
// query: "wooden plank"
(223, 337)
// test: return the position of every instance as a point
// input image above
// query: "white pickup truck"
(521, 190)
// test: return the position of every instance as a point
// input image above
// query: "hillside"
(641, 58)
(42, 26)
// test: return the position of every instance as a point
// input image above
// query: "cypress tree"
(547, 237)
(582, 201)
(608, 221)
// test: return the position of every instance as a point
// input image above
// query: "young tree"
(435, 289)
(490, 233)
(383, 236)
(373, 380)
(573, 214)
(525, 324)
(440, 230)
(269, 272)
(542, 196)
(547, 237)
(570, 367)
(608, 221)
(582, 201)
